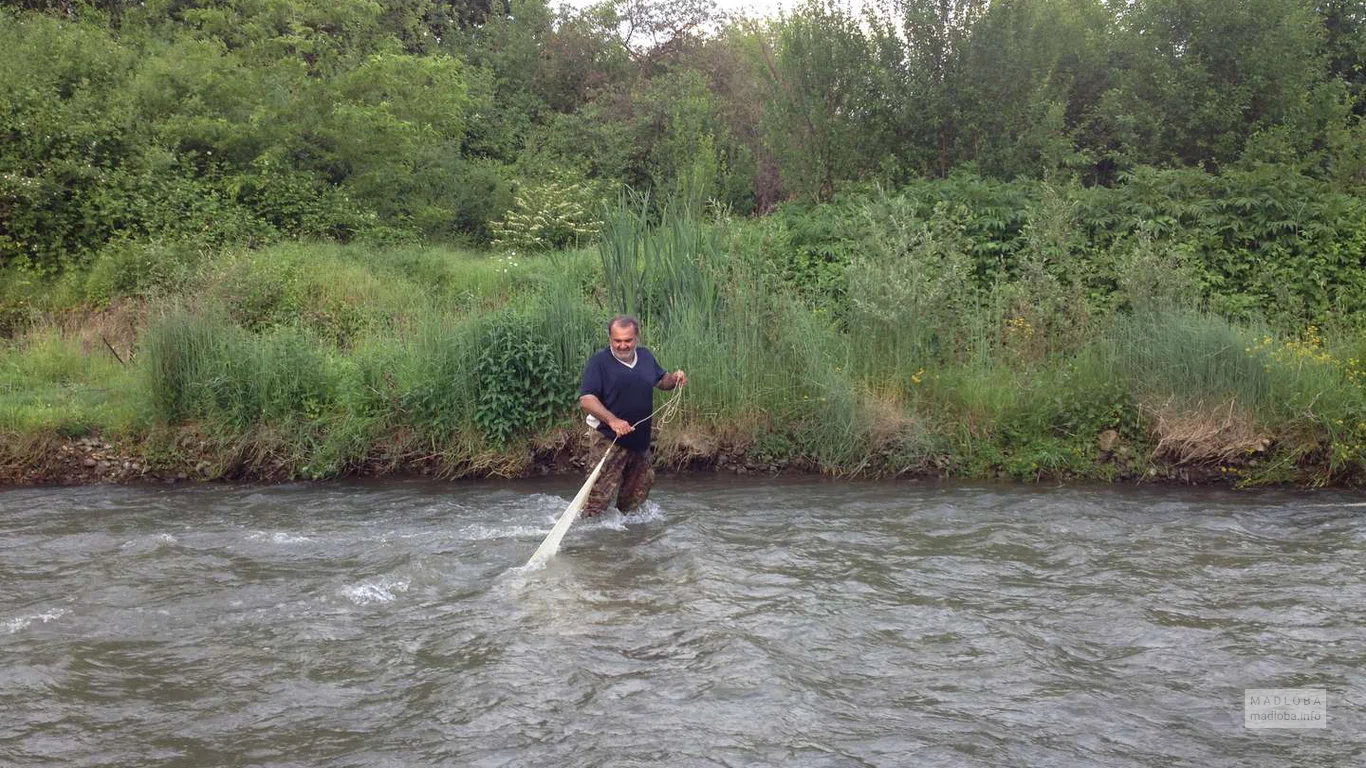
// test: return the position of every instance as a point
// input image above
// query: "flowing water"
(730, 623)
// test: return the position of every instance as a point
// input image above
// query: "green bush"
(1092, 399)
(520, 384)
(130, 268)
(809, 248)
(260, 289)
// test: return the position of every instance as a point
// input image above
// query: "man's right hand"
(621, 427)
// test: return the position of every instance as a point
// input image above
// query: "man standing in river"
(618, 395)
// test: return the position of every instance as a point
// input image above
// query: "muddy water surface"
(731, 623)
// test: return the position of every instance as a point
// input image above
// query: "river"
(732, 622)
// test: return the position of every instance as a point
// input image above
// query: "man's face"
(623, 342)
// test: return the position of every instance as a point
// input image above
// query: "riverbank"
(78, 414)
(316, 361)
(189, 457)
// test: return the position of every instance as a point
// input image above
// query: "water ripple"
(799, 623)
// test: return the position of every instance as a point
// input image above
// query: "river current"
(732, 622)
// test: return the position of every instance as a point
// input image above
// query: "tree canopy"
(252, 120)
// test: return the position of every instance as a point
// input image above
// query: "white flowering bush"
(548, 216)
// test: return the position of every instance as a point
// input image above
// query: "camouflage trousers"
(627, 475)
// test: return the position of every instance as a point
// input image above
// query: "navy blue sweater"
(629, 393)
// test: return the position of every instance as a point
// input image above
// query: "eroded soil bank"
(189, 456)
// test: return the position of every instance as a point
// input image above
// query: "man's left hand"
(679, 378)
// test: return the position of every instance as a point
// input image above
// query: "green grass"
(324, 359)
(50, 383)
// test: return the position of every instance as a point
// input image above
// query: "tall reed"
(1189, 356)
(659, 270)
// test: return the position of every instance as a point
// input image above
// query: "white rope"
(551, 545)
(670, 409)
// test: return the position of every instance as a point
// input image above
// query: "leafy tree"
(216, 121)
(1025, 76)
(325, 36)
(504, 54)
(933, 31)
(1194, 79)
(392, 118)
(1344, 24)
(726, 63)
(817, 69)
(62, 138)
(653, 31)
(579, 61)
(677, 126)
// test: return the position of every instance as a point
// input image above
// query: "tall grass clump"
(728, 351)
(912, 295)
(1218, 391)
(1189, 356)
(203, 367)
(422, 381)
(562, 316)
(760, 360)
(624, 243)
(1314, 383)
(670, 269)
(657, 271)
(736, 351)
(496, 375)
(818, 399)
(179, 355)
(283, 375)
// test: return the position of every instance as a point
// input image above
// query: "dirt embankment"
(190, 456)
(52, 460)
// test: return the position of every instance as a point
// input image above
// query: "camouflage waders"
(627, 475)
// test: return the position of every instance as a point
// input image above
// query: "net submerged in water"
(551, 545)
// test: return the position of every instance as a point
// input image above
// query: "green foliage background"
(964, 234)
(246, 122)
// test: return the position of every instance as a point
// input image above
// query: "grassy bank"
(900, 358)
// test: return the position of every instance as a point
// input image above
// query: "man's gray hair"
(621, 321)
